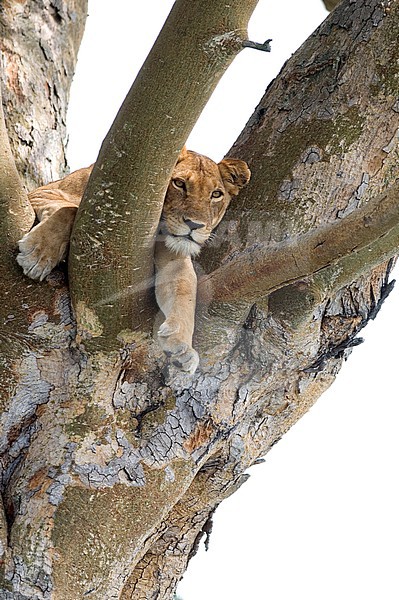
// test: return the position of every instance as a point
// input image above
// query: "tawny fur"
(197, 197)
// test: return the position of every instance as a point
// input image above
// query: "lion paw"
(186, 359)
(181, 354)
(38, 255)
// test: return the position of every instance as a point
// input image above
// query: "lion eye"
(179, 183)
(217, 194)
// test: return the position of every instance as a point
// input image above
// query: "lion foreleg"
(176, 289)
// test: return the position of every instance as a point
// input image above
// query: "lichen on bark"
(112, 461)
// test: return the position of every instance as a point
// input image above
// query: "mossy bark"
(331, 4)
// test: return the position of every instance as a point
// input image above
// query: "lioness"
(197, 197)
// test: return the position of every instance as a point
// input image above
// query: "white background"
(319, 519)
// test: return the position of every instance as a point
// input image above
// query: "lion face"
(197, 197)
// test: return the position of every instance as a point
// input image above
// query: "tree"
(330, 4)
(112, 464)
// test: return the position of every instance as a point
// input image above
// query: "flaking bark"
(39, 44)
(111, 463)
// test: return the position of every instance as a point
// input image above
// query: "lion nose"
(192, 224)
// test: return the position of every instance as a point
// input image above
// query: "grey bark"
(113, 463)
(39, 38)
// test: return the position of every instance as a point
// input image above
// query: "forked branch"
(112, 244)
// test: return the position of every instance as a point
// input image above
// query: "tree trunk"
(112, 462)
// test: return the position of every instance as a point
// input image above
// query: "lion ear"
(235, 174)
(183, 154)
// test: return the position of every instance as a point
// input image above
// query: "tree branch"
(112, 243)
(16, 216)
(262, 269)
(15, 212)
(322, 140)
(39, 94)
(325, 132)
(331, 4)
